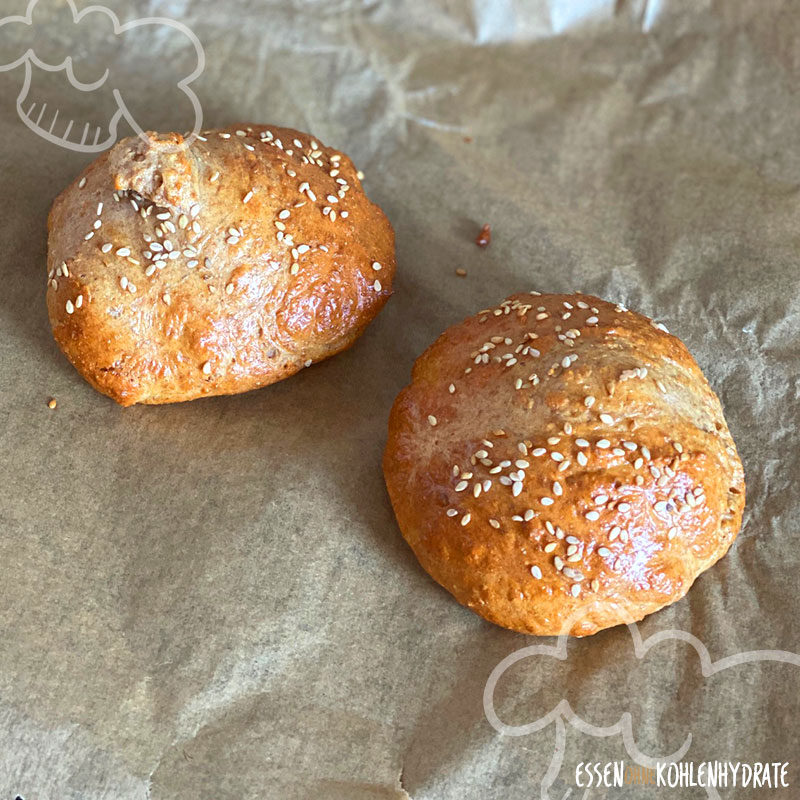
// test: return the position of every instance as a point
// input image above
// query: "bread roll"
(561, 465)
(180, 269)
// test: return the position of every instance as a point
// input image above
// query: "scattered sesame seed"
(575, 589)
(377, 286)
(588, 401)
(536, 572)
(69, 306)
(607, 419)
(603, 444)
(124, 251)
(432, 419)
(207, 368)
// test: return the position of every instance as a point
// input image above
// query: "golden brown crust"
(281, 260)
(560, 464)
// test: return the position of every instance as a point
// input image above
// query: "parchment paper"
(212, 600)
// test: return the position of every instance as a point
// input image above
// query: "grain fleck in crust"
(560, 464)
(178, 270)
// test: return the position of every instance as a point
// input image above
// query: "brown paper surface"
(212, 599)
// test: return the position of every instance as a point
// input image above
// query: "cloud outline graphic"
(563, 713)
(30, 58)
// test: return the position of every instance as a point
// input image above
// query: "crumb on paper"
(468, 139)
(485, 236)
(462, 273)
(51, 403)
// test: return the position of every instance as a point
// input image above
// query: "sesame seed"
(557, 490)
(516, 488)
(559, 564)
(214, 177)
(461, 485)
(124, 251)
(376, 286)
(588, 401)
(107, 248)
(582, 442)
(592, 320)
(466, 518)
(70, 307)
(536, 572)
(451, 388)
(52, 403)
(207, 368)
(615, 532)
(494, 523)
(607, 419)
(166, 298)
(582, 460)
(623, 507)
(592, 516)
(603, 551)
(376, 265)
(123, 282)
(556, 456)
(575, 589)
(82, 183)
(284, 214)
(79, 301)
(248, 197)
(550, 546)
(603, 444)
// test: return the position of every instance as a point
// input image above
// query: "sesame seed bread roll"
(561, 465)
(180, 269)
